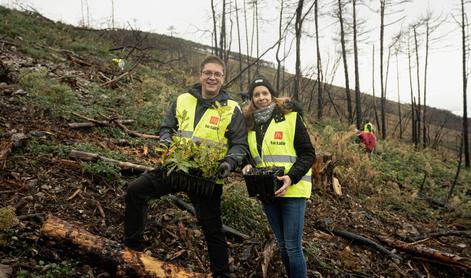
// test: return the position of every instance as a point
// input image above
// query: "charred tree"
(345, 62)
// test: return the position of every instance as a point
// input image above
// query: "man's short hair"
(213, 60)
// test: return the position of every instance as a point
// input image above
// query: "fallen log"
(123, 260)
(428, 253)
(188, 207)
(354, 238)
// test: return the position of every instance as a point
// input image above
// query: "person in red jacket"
(369, 140)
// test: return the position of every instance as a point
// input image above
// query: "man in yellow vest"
(200, 105)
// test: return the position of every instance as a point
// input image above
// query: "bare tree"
(419, 110)
(373, 86)
(398, 95)
(112, 15)
(247, 41)
(278, 58)
(413, 123)
(215, 33)
(394, 8)
(345, 62)
(320, 100)
(464, 25)
(300, 17)
(241, 80)
(222, 34)
(357, 73)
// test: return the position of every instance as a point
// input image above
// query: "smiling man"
(204, 123)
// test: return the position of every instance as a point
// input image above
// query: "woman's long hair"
(284, 104)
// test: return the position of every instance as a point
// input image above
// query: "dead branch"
(94, 157)
(268, 252)
(22, 202)
(188, 207)
(130, 132)
(441, 234)
(113, 82)
(354, 238)
(109, 252)
(97, 123)
(135, 133)
(428, 253)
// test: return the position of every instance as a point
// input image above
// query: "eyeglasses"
(208, 74)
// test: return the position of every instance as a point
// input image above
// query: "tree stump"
(323, 169)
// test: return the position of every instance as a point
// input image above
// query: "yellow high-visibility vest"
(278, 150)
(212, 125)
(368, 126)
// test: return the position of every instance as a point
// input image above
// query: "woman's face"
(261, 97)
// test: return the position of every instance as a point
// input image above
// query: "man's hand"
(224, 169)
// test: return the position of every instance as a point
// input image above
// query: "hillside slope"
(52, 75)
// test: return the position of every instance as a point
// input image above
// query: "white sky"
(191, 17)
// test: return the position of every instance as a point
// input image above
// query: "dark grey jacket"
(236, 132)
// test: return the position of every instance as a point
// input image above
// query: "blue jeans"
(286, 218)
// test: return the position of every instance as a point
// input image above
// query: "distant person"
(200, 101)
(278, 137)
(120, 63)
(367, 136)
(368, 139)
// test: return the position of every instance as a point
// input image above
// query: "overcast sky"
(192, 19)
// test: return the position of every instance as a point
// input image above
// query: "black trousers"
(208, 212)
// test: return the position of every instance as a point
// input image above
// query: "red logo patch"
(214, 120)
(278, 135)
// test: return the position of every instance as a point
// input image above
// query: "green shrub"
(241, 212)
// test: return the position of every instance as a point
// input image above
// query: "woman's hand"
(247, 168)
(286, 183)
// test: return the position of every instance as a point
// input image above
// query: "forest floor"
(39, 179)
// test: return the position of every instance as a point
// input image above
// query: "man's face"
(212, 78)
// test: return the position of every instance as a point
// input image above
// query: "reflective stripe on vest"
(278, 150)
(211, 127)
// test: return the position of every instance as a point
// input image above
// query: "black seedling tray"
(191, 184)
(262, 182)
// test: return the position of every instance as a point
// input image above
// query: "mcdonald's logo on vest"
(214, 120)
(278, 135)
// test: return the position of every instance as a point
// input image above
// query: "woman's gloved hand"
(224, 169)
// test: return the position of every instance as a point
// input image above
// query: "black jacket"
(236, 132)
(302, 144)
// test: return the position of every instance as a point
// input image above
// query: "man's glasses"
(208, 74)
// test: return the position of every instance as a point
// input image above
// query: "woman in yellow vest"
(278, 137)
